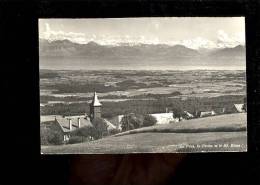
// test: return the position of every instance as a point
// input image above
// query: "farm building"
(236, 108)
(116, 121)
(65, 125)
(162, 118)
(240, 107)
(187, 115)
(207, 113)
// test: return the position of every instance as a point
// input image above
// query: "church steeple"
(95, 101)
(95, 107)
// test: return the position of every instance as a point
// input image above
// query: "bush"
(44, 136)
(178, 112)
(131, 121)
(49, 136)
(75, 139)
(149, 120)
(55, 138)
(113, 131)
(85, 131)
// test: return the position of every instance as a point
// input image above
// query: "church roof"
(95, 101)
(109, 125)
(64, 122)
(84, 121)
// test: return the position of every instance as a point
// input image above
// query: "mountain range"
(176, 54)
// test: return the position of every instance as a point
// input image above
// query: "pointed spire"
(95, 101)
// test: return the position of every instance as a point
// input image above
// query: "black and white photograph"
(142, 85)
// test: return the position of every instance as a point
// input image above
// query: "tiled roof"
(109, 125)
(116, 121)
(239, 107)
(64, 123)
(188, 114)
(84, 121)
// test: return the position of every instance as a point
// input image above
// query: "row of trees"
(111, 109)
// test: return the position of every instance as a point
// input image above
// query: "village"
(58, 129)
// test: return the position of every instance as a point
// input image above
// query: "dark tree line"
(110, 109)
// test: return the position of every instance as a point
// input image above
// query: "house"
(240, 107)
(164, 118)
(116, 121)
(236, 108)
(66, 124)
(187, 115)
(207, 113)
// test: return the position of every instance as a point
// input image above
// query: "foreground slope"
(218, 133)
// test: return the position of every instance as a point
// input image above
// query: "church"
(65, 125)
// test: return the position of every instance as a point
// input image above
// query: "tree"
(86, 132)
(178, 112)
(100, 126)
(49, 136)
(55, 138)
(113, 131)
(44, 136)
(245, 105)
(75, 139)
(149, 120)
(131, 121)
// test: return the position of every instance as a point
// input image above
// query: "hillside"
(92, 49)
(228, 132)
(236, 122)
(64, 54)
(237, 51)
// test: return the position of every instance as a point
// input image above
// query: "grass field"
(221, 123)
(219, 133)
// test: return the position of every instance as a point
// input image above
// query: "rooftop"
(84, 121)
(64, 122)
(95, 101)
(239, 107)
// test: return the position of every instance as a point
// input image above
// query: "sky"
(192, 32)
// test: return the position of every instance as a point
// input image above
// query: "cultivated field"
(66, 92)
(218, 133)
